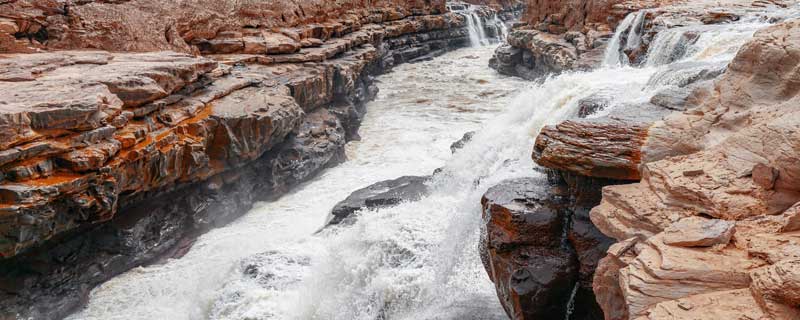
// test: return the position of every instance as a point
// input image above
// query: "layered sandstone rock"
(616, 145)
(564, 35)
(112, 159)
(184, 26)
(557, 36)
(709, 230)
(728, 164)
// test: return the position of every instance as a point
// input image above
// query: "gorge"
(598, 159)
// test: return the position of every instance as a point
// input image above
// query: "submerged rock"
(380, 195)
(462, 142)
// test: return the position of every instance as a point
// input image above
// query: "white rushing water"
(477, 29)
(417, 260)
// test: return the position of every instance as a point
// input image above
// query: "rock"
(526, 230)
(379, 195)
(533, 272)
(791, 219)
(720, 17)
(606, 282)
(595, 148)
(591, 105)
(765, 176)
(672, 98)
(779, 282)
(732, 304)
(157, 26)
(702, 178)
(699, 232)
(533, 54)
(462, 142)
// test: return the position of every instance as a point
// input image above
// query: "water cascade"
(416, 260)
(630, 30)
(477, 28)
(475, 38)
(502, 29)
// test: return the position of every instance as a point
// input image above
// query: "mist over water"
(417, 260)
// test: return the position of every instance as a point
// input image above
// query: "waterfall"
(474, 36)
(636, 31)
(480, 27)
(503, 29)
(418, 259)
(631, 27)
(668, 46)
(571, 302)
(477, 29)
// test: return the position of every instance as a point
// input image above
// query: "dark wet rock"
(539, 246)
(380, 195)
(591, 105)
(526, 255)
(458, 145)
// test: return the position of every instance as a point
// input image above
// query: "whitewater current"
(417, 260)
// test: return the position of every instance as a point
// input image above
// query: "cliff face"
(557, 36)
(186, 26)
(119, 156)
(711, 228)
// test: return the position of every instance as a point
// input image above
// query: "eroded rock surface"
(711, 228)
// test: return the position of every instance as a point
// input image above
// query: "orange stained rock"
(56, 179)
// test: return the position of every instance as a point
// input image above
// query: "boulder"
(379, 195)
(533, 271)
(699, 232)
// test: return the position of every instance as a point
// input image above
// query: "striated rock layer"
(113, 159)
(189, 25)
(711, 228)
(560, 35)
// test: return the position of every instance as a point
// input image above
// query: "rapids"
(417, 260)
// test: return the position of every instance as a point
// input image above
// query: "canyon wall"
(557, 36)
(127, 128)
(189, 25)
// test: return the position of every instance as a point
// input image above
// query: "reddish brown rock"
(699, 232)
(126, 157)
(533, 272)
(604, 149)
(730, 158)
(183, 25)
